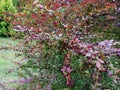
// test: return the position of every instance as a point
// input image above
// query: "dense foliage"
(6, 6)
(70, 42)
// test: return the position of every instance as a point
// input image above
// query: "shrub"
(6, 6)
(63, 45)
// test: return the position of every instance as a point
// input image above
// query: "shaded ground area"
(7, 64)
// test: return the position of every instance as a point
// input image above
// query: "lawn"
(7, 63)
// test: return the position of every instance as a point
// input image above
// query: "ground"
(7, 59)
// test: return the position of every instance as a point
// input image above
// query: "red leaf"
(56, 6)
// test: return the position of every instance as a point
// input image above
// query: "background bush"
(6, 6)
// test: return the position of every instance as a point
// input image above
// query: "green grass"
(7, 59)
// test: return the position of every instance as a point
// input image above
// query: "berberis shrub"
(65, 45)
